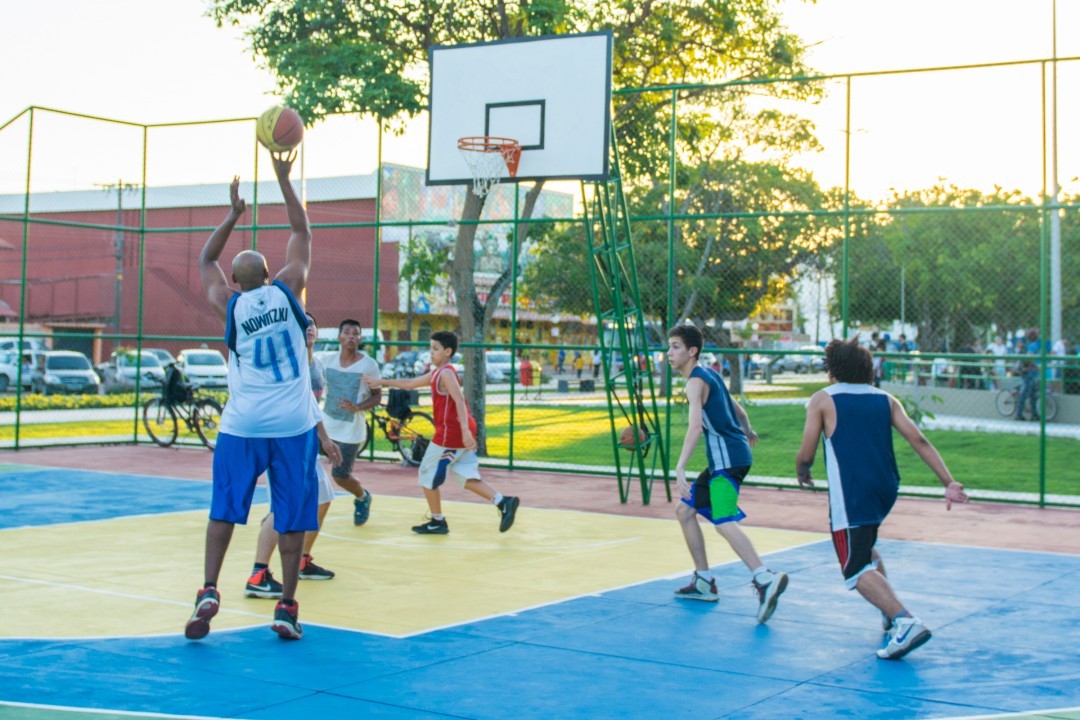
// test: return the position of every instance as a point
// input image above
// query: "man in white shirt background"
(345, 410)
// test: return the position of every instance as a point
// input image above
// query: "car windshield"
(67, 362)
(148, 361)
(495, 357)
(204, 359)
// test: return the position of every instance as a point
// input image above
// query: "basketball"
(279, 129)
(626, 437)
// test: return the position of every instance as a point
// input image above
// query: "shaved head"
(249, 270)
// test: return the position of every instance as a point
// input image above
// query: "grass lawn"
(979, 460)
(567, 434)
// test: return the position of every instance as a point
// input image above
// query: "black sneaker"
(362, 508)
(206, 607)
(310, 571)
(507, 509)
(286, 623)
(432, 527)
(262, 584)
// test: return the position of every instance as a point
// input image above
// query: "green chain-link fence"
(771, 245)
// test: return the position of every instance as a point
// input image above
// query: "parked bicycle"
(409, 434)
(179, 399)
(1006, 403)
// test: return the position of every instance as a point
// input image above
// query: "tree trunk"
(475, 317)
(470, 313)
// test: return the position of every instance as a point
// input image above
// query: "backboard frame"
(598, 161)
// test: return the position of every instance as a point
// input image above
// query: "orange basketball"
(279, 129)
(626, 437)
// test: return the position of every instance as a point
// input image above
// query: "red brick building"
(72, 271)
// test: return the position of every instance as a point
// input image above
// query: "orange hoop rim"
(509, 148)
(488, 143)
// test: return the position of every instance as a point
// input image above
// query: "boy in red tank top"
(453, 449)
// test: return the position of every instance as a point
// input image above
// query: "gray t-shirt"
(318, 376)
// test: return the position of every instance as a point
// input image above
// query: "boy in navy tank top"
(715, 494)
(452, 451)
(854, 421)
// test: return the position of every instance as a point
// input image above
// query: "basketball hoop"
(487, 158)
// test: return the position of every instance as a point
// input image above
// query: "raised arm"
(298, 252)
(954, 491)
(213, 277)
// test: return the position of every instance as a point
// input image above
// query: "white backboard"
(552, 94)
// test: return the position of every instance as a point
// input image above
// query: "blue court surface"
(1006, 636)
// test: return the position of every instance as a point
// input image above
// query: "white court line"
(98, 711)
(442, 546)
(128, 596)
(1018, 715)
(596, 593)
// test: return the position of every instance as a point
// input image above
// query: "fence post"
(22, 289)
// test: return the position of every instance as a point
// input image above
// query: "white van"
(327, 341)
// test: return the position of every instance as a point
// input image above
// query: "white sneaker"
(906, 634)
(768, 590)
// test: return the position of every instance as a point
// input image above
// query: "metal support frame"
(630, 391)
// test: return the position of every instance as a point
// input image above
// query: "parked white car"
(9, 371)
(423, 364)
(205, 368)
(120, 371)
(499, 365)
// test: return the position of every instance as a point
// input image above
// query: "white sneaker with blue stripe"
(906, 634)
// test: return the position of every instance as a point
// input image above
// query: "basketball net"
(488, 158)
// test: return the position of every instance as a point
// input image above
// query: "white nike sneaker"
(906, 634)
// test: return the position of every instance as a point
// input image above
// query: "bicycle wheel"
(367, 438)
(1050, 409)
(207, 417)
(414, 435)
(1006, 403)
(159, 420)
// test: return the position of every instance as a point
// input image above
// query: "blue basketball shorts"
(715, 496)
(289, 464)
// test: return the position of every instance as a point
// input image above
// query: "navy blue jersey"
(859, 459)
(725, 442)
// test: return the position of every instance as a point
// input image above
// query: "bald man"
(271, 423)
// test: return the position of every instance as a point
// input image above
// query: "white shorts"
(326, 487)
(438, 462)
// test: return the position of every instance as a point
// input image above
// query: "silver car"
(65, 371)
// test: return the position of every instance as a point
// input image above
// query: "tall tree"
(368, 57)
(966, 268)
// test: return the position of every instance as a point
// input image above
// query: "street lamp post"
(119, 187)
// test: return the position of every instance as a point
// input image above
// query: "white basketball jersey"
(269, 379)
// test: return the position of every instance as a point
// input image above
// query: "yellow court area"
(138, 575)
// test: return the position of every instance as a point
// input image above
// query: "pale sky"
(163, 61)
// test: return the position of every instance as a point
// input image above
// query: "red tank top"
(447, 426)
